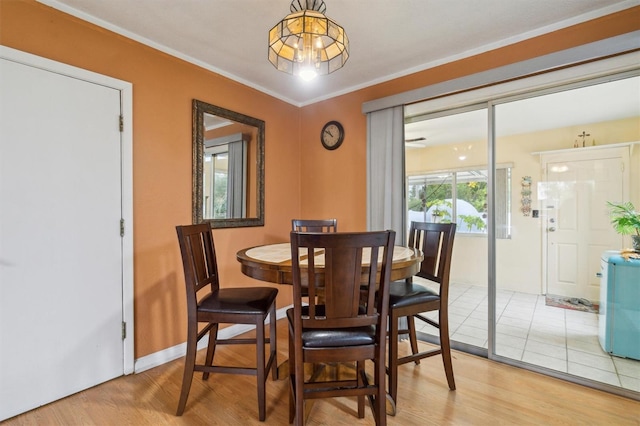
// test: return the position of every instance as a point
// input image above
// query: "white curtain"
(385, 172)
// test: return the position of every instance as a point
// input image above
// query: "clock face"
(332, 135)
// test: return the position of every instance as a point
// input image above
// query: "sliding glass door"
(527, 180)
(446, 172)
(571, 155)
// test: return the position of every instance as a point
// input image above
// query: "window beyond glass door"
(430, 199)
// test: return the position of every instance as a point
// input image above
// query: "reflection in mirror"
(228, 167)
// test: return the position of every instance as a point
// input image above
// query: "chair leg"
(211, 349)
(298, 392)
(359, 374)
(292, 396)
(411, 325)
(381, 398)
(189, 364)
(445, 345)
(299, 400)
(393, 355)
(296, 374)
(273, 346)
(292, 404)
(260, 366)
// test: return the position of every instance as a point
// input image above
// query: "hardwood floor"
(488, 393)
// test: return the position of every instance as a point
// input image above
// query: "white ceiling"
(388, 38)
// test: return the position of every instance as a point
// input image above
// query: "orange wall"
(163, 87)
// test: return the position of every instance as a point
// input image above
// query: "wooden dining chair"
(348, 325)
(211, 305)
(408, 299)
(314, 225)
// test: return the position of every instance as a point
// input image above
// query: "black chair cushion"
(403, 294)
(331, 337)
(241, 300)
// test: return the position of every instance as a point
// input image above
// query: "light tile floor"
(528, 330)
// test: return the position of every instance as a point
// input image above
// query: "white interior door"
(578, 228)
(61, 269)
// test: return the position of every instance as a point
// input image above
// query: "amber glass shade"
(307, 40)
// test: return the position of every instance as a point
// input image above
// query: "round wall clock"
(332, 135)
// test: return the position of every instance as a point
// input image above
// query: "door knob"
(551, 229)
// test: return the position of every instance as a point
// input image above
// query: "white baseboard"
(161, 357)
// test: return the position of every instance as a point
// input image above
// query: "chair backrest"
(198, 261)
(333, 263)
(435, 240)
(314, 225)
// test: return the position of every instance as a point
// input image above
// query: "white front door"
(577, 225)
(61, 262)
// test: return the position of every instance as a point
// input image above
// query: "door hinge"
(122, 227)
(622, 167)
(121, 123)
(124, 330)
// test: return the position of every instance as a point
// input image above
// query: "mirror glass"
(228, 167)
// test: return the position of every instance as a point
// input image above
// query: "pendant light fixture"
(308, 43)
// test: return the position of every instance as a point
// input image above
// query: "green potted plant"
(626, 221)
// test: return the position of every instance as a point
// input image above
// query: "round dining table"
(272, 262)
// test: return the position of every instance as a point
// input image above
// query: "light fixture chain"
(317, 5)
